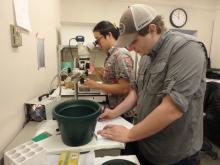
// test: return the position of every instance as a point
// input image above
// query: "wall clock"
(178, 17)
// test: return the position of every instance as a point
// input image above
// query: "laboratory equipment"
(70, 53)
(40, 108)
(25, 154)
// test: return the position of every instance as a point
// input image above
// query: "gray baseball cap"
(132, 20)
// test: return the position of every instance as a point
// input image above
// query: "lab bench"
(104, 149)
(31, 128)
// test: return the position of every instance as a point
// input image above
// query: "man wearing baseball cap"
(168, 93)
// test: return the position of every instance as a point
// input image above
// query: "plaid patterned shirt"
(118, 64)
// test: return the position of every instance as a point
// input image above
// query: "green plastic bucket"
(77, 120)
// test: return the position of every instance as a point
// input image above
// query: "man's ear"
(152, 28)
(110, 34)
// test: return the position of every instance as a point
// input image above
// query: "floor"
(207, 159)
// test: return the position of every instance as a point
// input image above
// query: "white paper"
(55, 145)
(88, 158)
(118, 121)
(21, 14)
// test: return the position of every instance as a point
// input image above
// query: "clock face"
(178, 17)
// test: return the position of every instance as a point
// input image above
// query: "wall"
(200, 13)
(20, 78)
(215, 49)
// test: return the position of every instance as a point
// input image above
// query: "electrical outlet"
(16, 39)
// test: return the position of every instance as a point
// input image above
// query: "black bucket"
(77, 120)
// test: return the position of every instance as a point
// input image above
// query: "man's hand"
(88, 83)
(107, 114)
(115, 132)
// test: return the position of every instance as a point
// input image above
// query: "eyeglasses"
(97, 41)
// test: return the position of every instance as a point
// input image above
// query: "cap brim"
(125, 40)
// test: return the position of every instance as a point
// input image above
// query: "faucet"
(58, 75)
(76, 78)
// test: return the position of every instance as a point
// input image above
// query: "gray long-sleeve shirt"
(176, 67)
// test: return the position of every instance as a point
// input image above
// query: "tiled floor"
(207, 159)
